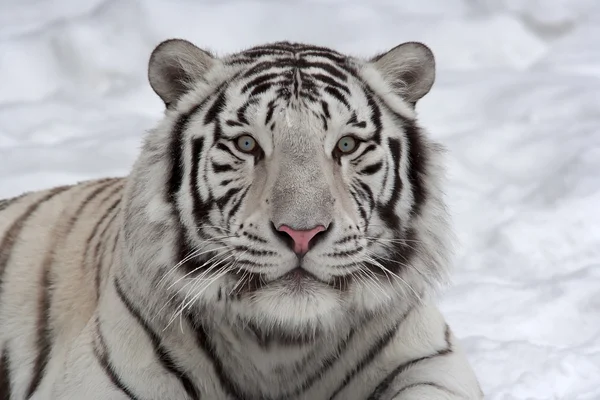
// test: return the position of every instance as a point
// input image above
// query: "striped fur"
(175, 282)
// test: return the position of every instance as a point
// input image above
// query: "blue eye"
(347, 145)
(246, 144)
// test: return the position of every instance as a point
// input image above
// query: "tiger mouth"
(296, 278)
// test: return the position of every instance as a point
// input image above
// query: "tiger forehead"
(295, 71)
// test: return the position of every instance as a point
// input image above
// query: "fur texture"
(177, 282)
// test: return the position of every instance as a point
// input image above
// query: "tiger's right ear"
(174, 66)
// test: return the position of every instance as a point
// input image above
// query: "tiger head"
(288, 185)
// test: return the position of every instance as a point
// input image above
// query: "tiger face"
(301, 190)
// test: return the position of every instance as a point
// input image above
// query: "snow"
(515, 103)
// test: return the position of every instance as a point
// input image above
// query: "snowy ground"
(516, 102)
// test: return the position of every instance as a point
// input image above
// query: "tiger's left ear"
(174, 66)
(409, 68)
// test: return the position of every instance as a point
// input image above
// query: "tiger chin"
(281, 235)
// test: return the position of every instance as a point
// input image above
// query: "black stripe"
(418, 160)
(94, 232)
(44, 335)
(223, 147)
(231, 122)
(418, 165)
(12, 234)
(161, 353)
(200, 208)
(270, 110)
(217, 106)
(329, 81)
(335, 57)
(373, 352)
(203, 341)
(103, 358)
(237, 204)
(399, 370)
(223, 200)
(338, 95)
(5, 383)
(101, 242)
(387, 211)
(220, 168)
(361, 209)
(258, 81)
(241, 113)
(375, 115)
(176, 150)
(371, 169)
(430, 384)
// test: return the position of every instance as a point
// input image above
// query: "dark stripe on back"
(373, 352)
(13, 232)
(5, 203)
(5, 374)
(161, 353)
(101, 353)
(102, 242)
(44, 335)
(399, 370)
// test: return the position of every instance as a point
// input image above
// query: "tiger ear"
(409, 68)
(174, 66)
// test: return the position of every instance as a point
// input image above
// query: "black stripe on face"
(270, 111)
(418, 165)
(5, 382)
(259, 80)
(200, 208)
(399, 370)
(371, 169)
(226, 198)
(161, 353)
(176, 150)
(237, 204)
(387, 211)
(223, 147)
(13, 232)
(177, 143)
(102, 356)
(375, 115)
(338, 96)
(373, 352)
(329, 81)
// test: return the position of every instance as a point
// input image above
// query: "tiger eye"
(246, 144)
(346, 145)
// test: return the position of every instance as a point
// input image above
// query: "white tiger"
(281, 236)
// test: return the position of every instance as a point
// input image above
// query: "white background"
(516, 102)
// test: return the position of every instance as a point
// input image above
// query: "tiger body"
(179, 281)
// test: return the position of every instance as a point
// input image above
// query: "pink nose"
(301, 238)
